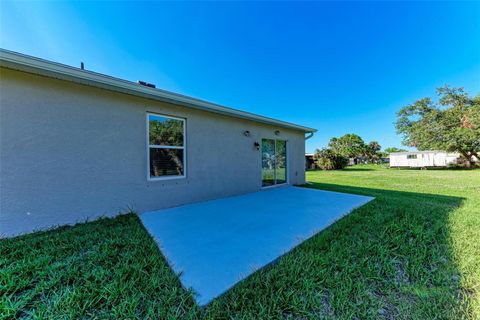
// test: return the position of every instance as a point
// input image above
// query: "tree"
(451, 124)
(372, 151)
(349, 145)
(327, 159)
(393, 149)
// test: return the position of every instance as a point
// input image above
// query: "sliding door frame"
(287, 164)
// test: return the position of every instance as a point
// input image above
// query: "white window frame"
(149, 146)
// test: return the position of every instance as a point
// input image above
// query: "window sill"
(166, 178)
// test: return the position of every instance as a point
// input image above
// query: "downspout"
(310, 134)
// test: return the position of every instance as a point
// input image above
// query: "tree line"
(349, 146)
(452, 124)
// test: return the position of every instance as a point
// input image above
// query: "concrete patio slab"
(215, 244)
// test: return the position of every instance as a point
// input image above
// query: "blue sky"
(343, 67)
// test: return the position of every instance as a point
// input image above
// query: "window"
(411, 156)
(166, 147)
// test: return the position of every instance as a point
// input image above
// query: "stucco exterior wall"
(70, 152)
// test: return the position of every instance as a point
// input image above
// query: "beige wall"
(69, 152)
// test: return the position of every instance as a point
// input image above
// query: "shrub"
(465, 163)
(326, 159)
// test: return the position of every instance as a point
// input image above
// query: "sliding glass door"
(281, 161)
(268, 162)
(274, 162)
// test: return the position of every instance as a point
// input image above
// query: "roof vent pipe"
(146, 84)
(82, 66)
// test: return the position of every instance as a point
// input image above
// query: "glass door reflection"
(274, 162)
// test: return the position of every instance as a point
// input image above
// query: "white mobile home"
(423, 159)
(78, 145)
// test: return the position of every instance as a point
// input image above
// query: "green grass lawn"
(412, 253)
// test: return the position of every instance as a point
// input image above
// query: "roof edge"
(17, 61)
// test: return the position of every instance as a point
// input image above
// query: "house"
(423, 159)
(357, 160)
(309, 161)
(78, 145)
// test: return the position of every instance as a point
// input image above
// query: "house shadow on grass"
(390, 259)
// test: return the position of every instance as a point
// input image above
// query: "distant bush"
(464, 163)
(326, 159)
